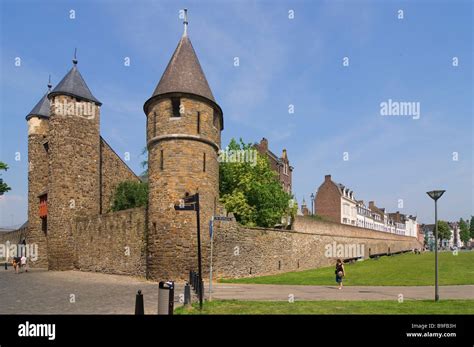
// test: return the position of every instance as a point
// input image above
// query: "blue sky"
(283, 61)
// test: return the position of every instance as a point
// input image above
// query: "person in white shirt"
(23, 264)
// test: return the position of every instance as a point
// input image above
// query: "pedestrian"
(340, 272)
(16, 264)
(23, 263)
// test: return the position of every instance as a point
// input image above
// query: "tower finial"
(74, 61)
(185, 22)
(49, 83)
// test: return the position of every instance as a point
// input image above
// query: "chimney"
(327, 178)
(371, 205)
(284, 156)
(264, 144)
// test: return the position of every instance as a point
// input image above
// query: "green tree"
(3, 186)
(471, 228)
(130, 194)
(250, 189)
(464, 234)
(443, 231)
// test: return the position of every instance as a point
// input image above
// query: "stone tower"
(38, 129)
(74, 145)
(184, 125)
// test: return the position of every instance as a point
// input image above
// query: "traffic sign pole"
(199, 249)
(211, 231)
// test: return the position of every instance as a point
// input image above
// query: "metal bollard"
(201, 287)
(139, 307)
(6, 266)
(190, 277)
(187, 294)
(166, 298)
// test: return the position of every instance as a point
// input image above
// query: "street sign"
(190, 199)
(188, 203)
(184, 208)
(223, 218)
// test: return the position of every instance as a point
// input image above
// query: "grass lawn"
(397, 270)
(332, 307)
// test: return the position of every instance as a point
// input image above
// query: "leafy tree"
(250, 189)
(471, 228)
(443, 231)
(464, 234)
(3, 186)
(130, 194)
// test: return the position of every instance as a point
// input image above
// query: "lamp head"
(435, 194)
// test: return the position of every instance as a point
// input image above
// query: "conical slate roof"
(184, 73)
(74, 85)
(41, 109)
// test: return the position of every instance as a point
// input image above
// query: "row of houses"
(453, 242)
(338, 203)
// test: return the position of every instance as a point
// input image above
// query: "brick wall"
(248, 252)
(112, 242)
(113, 171)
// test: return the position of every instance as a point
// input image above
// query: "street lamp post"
(435, 195)
(312, 203)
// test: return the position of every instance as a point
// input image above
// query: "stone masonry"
(112, 242)
(75, 172)
(38, 129)
(248, 252)
(182, 159)
(73, 187)
(113, 170)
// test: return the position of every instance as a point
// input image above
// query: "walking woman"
(340, 272)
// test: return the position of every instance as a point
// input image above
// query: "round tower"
(184, 125)
(74, 165)
(38, 137)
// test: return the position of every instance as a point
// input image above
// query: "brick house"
(280, 165)
(336, 202)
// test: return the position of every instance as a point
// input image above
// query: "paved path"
(49, 292)
(282, 292)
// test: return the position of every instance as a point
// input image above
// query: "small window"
(154, 123)
(46, 146)
(161, 160)
(44, 226)
(199, 122)
(204, 162)
(215, 119)
(176, 105)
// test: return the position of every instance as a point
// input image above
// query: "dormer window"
(176, 106)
